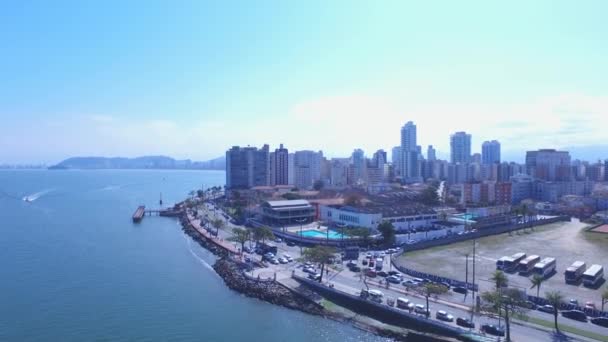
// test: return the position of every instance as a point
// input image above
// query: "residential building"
(396, 160)
(291, 169)
(281, 166)
(247, 167)
(460, 148)
(490, 152)
(596, 172)
(476, 158)
(359, 167)
(522, 186)
(307, 166)
(339, 172)
(548, 165)
(409, 153)
(431, 154)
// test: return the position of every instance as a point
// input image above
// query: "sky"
(190, 79)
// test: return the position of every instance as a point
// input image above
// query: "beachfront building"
(285, 213)
(402, 217)
(247, 167)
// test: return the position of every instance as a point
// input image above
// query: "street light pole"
(473, 296)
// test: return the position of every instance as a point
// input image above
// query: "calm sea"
(73, 267)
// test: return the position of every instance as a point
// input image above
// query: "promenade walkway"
(218, 241)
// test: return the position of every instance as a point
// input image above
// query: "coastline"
(268, 290)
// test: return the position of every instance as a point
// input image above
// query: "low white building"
(402, 217)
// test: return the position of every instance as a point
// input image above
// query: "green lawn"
(565, 328)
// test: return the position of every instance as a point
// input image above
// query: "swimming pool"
(311, 233)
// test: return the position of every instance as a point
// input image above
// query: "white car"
(274, 261)
(283, 260)
(444, 316)
(288, 257)
(421, 309)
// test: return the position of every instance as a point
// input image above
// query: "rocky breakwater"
(266, 290)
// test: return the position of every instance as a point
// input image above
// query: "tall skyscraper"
(247, 167)
(281, 166)
(460, 148)
(490, 152)
(409, 152)
(307, 168)
(431, 154)
(359, 166)
(396, 160)
(379, 159)
(549, 165)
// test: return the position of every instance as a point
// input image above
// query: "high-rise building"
(460, 148)
(606, 170)
(396, 160)
(307, 166)
(490, 152)
(291, 169)
(549, 165)
(596, 172)
(476, 158)
(431, 153)
(281, 166)
(359, 167)
(247, 167)
(379, 159)
(339, 172)
(409, 152)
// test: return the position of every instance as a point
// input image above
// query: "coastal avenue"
(344, 280)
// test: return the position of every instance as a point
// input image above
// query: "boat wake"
(37, 195)
(201, 260)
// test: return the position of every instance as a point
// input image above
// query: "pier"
(141, 211)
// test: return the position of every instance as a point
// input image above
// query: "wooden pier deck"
(139, 213)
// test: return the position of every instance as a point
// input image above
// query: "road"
(457, 305)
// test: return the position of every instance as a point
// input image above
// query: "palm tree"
(240, 235)
(318, 255)
(537, 280)
(217, 224)
(500, 279)
(604, 297)
(262, 233)
(430, 289)
(555, 299)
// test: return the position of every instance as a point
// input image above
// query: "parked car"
(274, 261)
(547, 308)
(370, 273)
(283, 260)
(309, 270)
(444, 316)
(492, 330)
(590, 306)
(364, 262)
(465, 322)
(393, 279)
(576, 315)
(291, 243)
(383, 274)
(278, 240)
(351, 264)
(601, 321)
(247, 249)
(529, 305)
(355, 269)
(314, 276)
(393, 273)
(573, 302)
(421, 310)
(460, 289)
(288, 257)
(410, 283)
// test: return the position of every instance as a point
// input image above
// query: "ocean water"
(73, 267)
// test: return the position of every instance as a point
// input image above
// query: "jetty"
(139, 213)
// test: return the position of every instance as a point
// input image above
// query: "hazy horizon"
(192, 80)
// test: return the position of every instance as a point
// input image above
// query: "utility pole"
(473, 296)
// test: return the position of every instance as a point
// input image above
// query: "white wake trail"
(37, 195)
(201, 260)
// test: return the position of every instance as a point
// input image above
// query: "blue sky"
(190, 79)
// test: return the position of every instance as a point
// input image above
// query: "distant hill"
(146, 162)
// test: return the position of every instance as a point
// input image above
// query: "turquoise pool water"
(321, 235)
(465, 216)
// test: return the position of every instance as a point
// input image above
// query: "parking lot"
(565, 241)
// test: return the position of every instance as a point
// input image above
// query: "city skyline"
(211, 78)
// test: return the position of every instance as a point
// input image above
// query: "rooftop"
(288, 204)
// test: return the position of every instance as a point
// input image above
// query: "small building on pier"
(284, 213)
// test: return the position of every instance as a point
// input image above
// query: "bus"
(545, 267)
(501, 262)
(525, 266)
(593, 275)
(510, 264)
(574, 273)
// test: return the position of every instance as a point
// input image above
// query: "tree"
(537, 280)
(604, 298)
(217, 224)
(319, 255)
(507, 301)
(318, 185)
(429, 196)
(500, 279)
(430, 289)
(360, 232)
(353, 200)
(555, 299)
(388, 232)
(262, 233)
(240, 235)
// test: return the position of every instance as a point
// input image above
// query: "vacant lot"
(565, 241)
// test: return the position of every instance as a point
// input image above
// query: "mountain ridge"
(143, 162)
